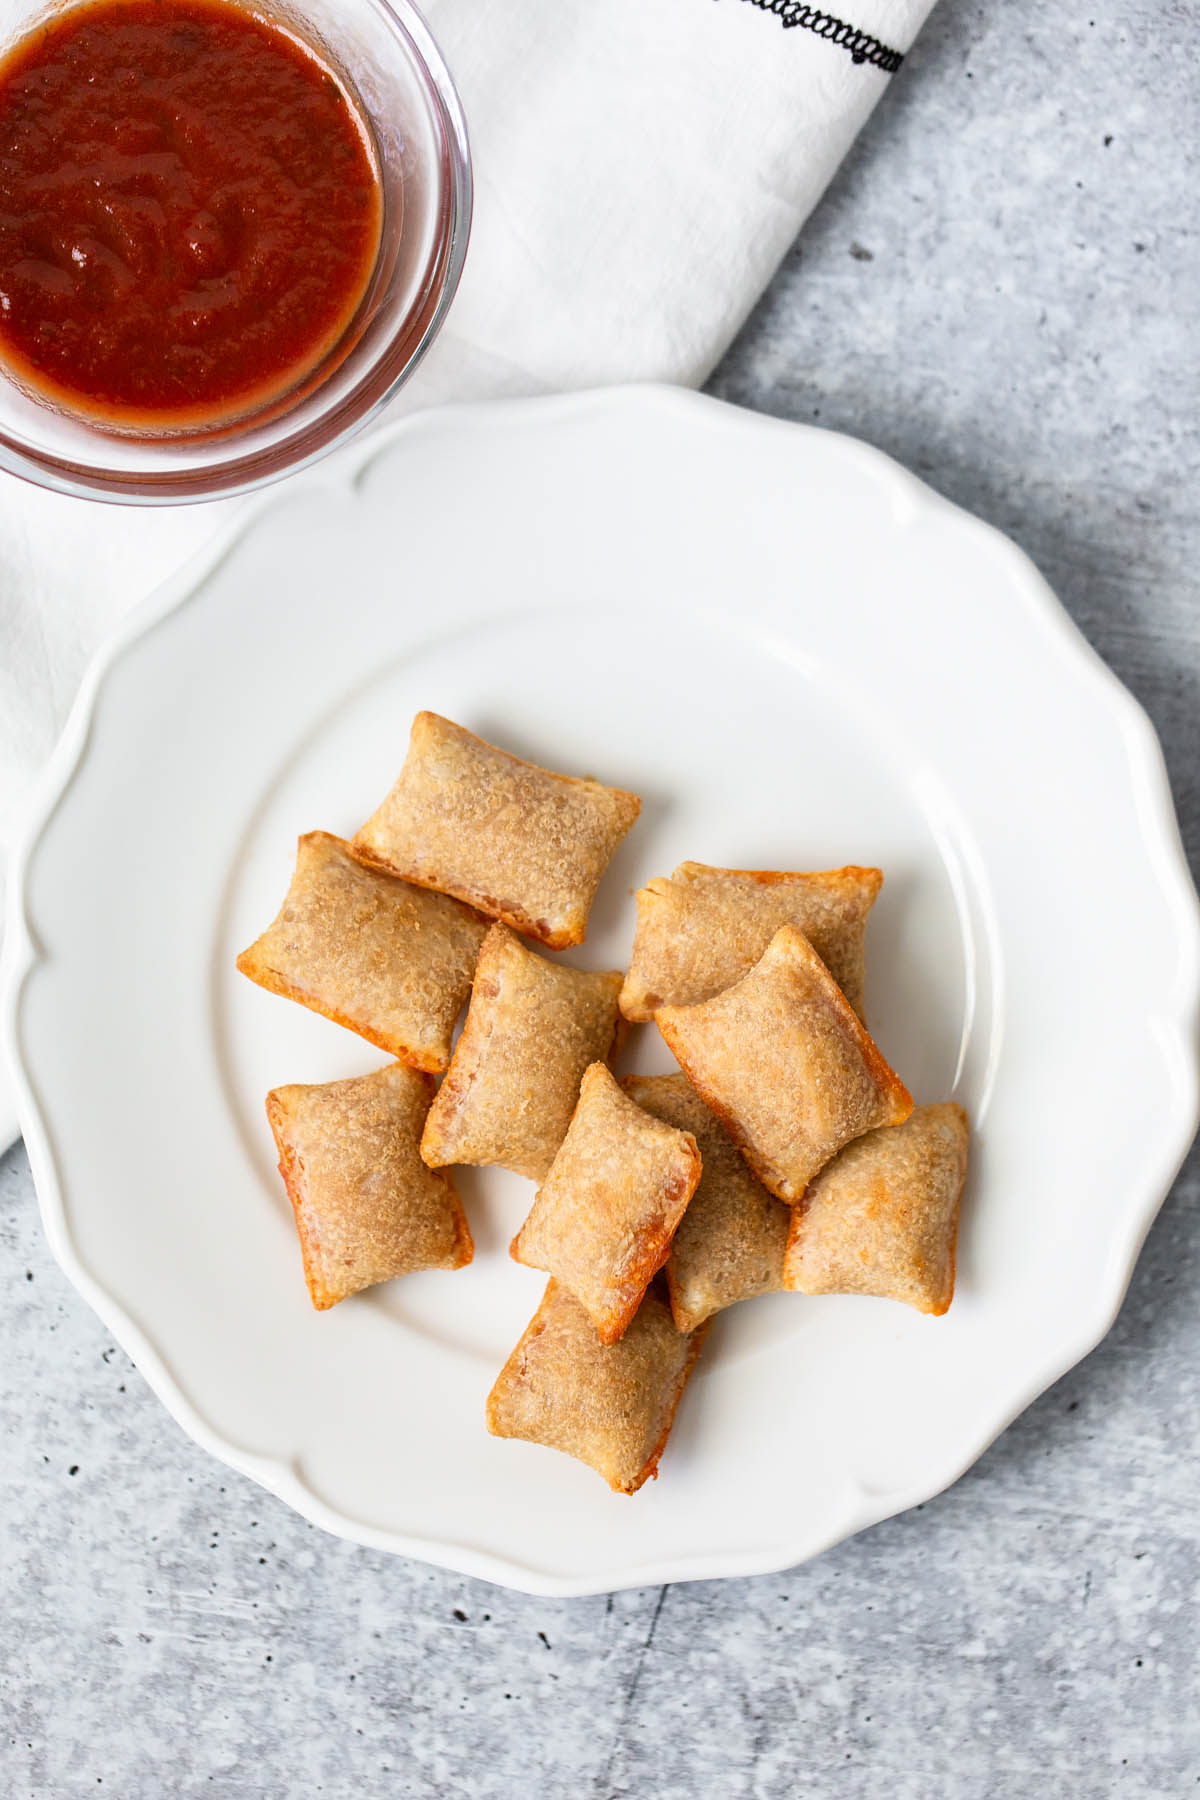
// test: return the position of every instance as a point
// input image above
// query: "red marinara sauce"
(190, 212)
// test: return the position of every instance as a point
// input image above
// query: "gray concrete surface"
(1001, 290)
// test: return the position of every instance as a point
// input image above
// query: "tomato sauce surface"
(189, 212)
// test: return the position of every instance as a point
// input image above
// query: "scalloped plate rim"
(1162, 841)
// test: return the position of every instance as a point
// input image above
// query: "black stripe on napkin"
(862, 46)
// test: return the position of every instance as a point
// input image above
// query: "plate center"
(745, 755)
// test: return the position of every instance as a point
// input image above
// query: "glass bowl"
(383, 52)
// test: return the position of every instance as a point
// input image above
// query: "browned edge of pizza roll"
(518, 842)
(602, 1221)
(704, 928)
(389, 961)
(730, 1242)
(366, 1207)
(882, 1217)
(786, 1065)
(532, 1029)
(610, 1406)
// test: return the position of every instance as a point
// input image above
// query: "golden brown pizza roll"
(603, 1219)
(389, 960)
(518, 842)
(786, 1065)
(610, 1405)
(882, 1218)
(730, 1242)
(366, 1206)
(705, 928)
(531, 1030)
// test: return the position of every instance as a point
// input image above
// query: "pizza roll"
(603, 1219)
(389, 960)
(613, 1405)
(532, 1028)
(518, 842)
(705, 928)
(882, 1218)
(366, 1206)
(730, 1241)
(786, 1065)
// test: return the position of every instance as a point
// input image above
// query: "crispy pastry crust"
(388, 960)
(366, 1207)
(602, 1221)
(882, 1218)
(517, 842)
(611, 1406)
(532, 1028)
(705, 928)
(786, 1065)
(731, 1240)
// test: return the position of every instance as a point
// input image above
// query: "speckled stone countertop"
(1001, 290)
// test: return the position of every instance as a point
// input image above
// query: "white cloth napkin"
(641, 168)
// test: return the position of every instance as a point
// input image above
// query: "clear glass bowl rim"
(242, 473)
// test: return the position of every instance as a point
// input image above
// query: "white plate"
(800, 657)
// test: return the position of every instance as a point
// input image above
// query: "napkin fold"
(641, 168)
